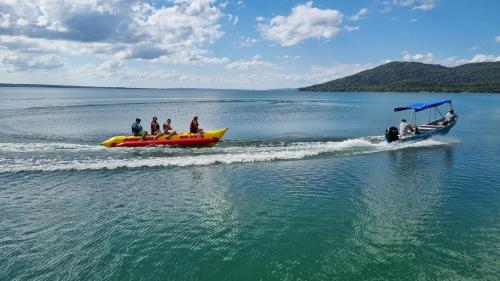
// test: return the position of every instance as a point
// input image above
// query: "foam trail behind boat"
(94, 158)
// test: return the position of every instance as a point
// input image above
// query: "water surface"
(301, 188)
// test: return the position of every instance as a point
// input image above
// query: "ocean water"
(302, 187)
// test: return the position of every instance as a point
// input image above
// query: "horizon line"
(36, 85)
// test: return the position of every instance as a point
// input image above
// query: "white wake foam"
(45, 147)
(221, 155)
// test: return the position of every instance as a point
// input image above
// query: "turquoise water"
(301, 188)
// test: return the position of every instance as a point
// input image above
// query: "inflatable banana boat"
(180, 139)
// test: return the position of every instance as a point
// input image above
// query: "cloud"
(485, 58)
(327, 73)
(359, 15)
(425, 58)
(192, 57)
(497, 38)
(386, 9)
(247, 41)
(303, 23)
(22, 62)
(288, 57)
(233, 19)
(119, 28)
(422, 5)
(448, 61)
(119, 70)
(349, 28)
(255, 63)
(413, 20)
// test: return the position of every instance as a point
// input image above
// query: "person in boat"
(138, 131)
(404, 128)
(167, 129)
(450, 116)
(137, 128)
(155, 127)
(194, 127)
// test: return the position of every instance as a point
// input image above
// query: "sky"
(233, 44)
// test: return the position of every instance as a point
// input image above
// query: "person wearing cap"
(404, 128)
(194, 127)
(155, 127)
(137, 128)
(450, 116)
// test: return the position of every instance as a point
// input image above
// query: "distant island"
(418, 77)
(60, 86)
(27, 85)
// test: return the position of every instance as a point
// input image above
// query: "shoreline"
(50, 86)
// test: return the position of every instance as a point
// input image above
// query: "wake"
(65, 157)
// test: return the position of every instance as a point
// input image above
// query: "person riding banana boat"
(138, 131)
(194, 137)
(167, 129)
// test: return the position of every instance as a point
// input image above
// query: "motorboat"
(437, 123)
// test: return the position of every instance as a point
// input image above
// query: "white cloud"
(233, 19)
(448, 61)
(386, 9)
(247, 41)
(425, 58)
(118, 70)
(359, 15)
(485, 58)
(423, 5)
(192, 57)
(413, 20)
(303, 23)
(255, 63)
(351, 28)
(288, 57)
(21, 62)
(497, 38)
(327, 73)
(259, 19)
(240, 4)
(118, 28)
(111, 65)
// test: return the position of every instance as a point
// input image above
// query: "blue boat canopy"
(423, 105)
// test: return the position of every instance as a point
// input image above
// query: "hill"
(418, 77)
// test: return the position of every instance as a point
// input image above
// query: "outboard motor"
(391, 134)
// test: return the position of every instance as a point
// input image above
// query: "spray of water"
(89, 157)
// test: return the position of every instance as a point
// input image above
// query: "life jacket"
(194, 127)
(136, 128)
(155, 127)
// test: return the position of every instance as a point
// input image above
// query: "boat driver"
(405, 128)
(450, 116)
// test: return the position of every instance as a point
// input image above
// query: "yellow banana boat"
(180, 139)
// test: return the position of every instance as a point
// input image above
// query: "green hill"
(418, 77)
